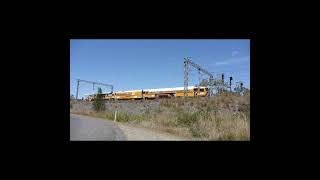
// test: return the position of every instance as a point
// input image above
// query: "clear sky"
(154, 63)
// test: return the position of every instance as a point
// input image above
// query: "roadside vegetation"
(98, 105)
(223, 117)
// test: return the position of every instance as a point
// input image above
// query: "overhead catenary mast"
(188, 62)
(93, 83)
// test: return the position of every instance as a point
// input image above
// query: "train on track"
(193, 91)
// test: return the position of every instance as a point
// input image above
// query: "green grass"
(121, 117)
(186, 118)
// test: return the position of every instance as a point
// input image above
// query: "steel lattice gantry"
(188, 62)
(93, 83)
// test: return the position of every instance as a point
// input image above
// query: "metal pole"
(222, 82)
(199, 77)
(185, 77)
(230, 84)
(211, 86)
(77, 89)
(142, 94)
(186, 71)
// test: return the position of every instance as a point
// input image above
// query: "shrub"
(123, 117)
(166, 103)
(70, 104)
(98, 104)
(186, 118)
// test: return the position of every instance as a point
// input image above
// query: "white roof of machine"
(172, 89)
(126, 91)
(168, 89)
(87, 94)
(161, 89)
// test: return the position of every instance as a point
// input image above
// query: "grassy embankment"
(225, 117)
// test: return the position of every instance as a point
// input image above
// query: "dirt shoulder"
(139, 133)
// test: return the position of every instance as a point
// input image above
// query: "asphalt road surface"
(84, 128)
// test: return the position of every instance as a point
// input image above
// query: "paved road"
(84, 128)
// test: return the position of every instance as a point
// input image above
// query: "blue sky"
(153, 63)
